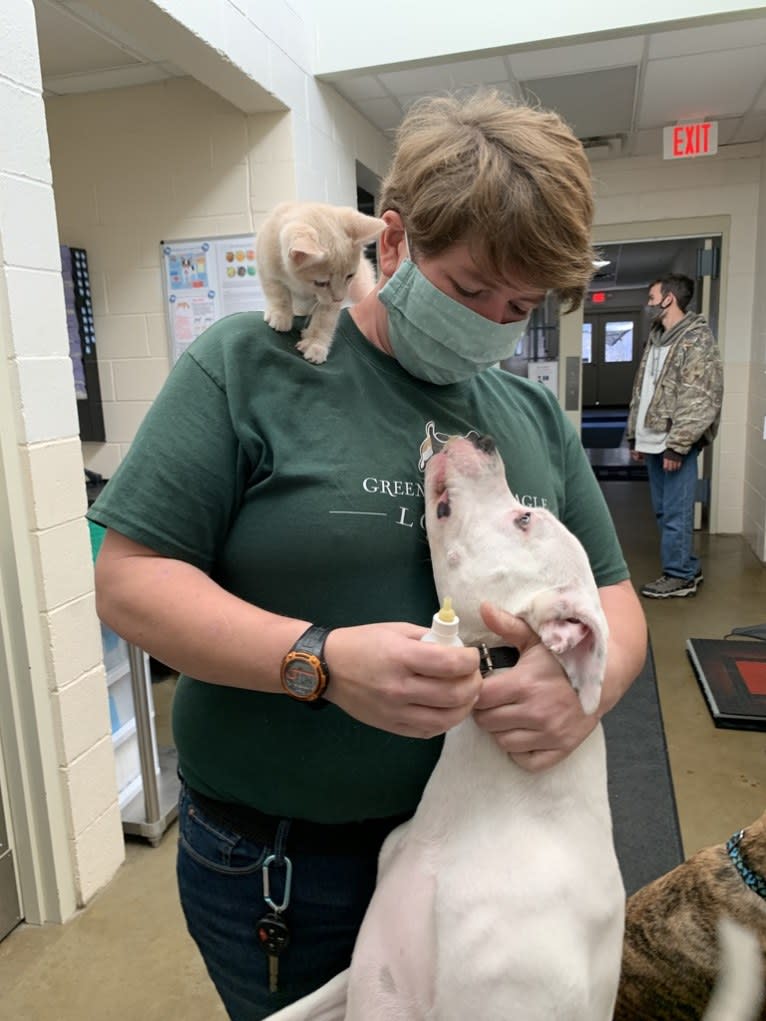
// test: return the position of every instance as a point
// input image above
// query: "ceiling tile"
(582, 57)
(359, 87)
(752, 128)
(432, 78)
(727, 129)
(701, 86)
(708, 38)
(599, 103)
(487, 71)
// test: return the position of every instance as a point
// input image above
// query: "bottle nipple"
(446, 613)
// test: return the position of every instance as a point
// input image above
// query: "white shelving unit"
(147, 783)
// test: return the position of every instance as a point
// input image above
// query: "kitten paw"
(315, 351)
(279, 320)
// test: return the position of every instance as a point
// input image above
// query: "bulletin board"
(205, 279)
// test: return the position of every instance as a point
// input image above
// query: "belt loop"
(280, 841)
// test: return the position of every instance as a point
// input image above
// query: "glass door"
(610, 355)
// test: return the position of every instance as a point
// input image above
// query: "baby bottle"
(444, 626)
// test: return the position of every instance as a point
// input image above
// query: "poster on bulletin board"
(205, 279)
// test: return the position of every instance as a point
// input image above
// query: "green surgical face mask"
(436, 338)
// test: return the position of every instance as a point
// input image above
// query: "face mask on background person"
(656, 312)
(436, 338)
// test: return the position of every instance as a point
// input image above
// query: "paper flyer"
(205, 280)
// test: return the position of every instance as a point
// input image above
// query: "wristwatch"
(304, 673)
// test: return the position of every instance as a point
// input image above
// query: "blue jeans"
(221, 887)
(673, 501)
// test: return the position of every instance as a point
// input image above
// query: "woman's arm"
(380, 674)
(532, 710)
(627, 642)
(177, 614)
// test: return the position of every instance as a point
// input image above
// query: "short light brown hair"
(511, 180)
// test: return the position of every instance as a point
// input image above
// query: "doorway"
(615, 330)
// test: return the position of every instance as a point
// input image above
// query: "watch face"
(302, 674)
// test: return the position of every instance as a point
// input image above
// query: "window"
(618, 342)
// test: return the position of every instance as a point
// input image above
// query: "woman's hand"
(383, 675)
(531, 709)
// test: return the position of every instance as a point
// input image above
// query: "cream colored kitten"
(310, 260)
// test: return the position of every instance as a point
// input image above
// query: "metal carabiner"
(283, 860)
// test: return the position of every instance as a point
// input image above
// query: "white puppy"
(501, 899)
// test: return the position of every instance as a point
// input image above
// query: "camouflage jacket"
(689, 390)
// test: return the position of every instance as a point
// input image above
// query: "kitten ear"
(361, 228)
(300, 244)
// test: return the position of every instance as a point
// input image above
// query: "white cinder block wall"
(132, 167)
(754, 524)
(647, 188)
(42, 464)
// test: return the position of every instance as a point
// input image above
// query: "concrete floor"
(127, 956)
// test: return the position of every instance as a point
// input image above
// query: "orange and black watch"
(304, 672)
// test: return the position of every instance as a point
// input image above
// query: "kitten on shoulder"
(310, 260)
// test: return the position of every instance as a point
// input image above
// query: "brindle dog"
(672, 953)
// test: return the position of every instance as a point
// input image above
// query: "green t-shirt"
(300, 489)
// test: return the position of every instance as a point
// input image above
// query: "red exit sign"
(680, 141)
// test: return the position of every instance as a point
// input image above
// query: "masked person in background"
(674, 412)
(265, 538)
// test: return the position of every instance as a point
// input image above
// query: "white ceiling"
(617, 93)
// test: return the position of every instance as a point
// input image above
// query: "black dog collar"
(499, 658)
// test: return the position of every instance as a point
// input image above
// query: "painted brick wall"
(52, 557)
(132, 167)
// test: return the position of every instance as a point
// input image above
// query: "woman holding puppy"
(265, 539)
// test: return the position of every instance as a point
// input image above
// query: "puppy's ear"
(577, 634)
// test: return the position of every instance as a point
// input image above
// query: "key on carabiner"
(273, 933)
(274, 937)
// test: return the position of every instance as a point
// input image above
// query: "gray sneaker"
(666, 587)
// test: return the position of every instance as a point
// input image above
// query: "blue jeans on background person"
(220, 882)
(673, 496)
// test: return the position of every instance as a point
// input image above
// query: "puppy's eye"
(522, 521)
(349, 276)
(321, 283)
